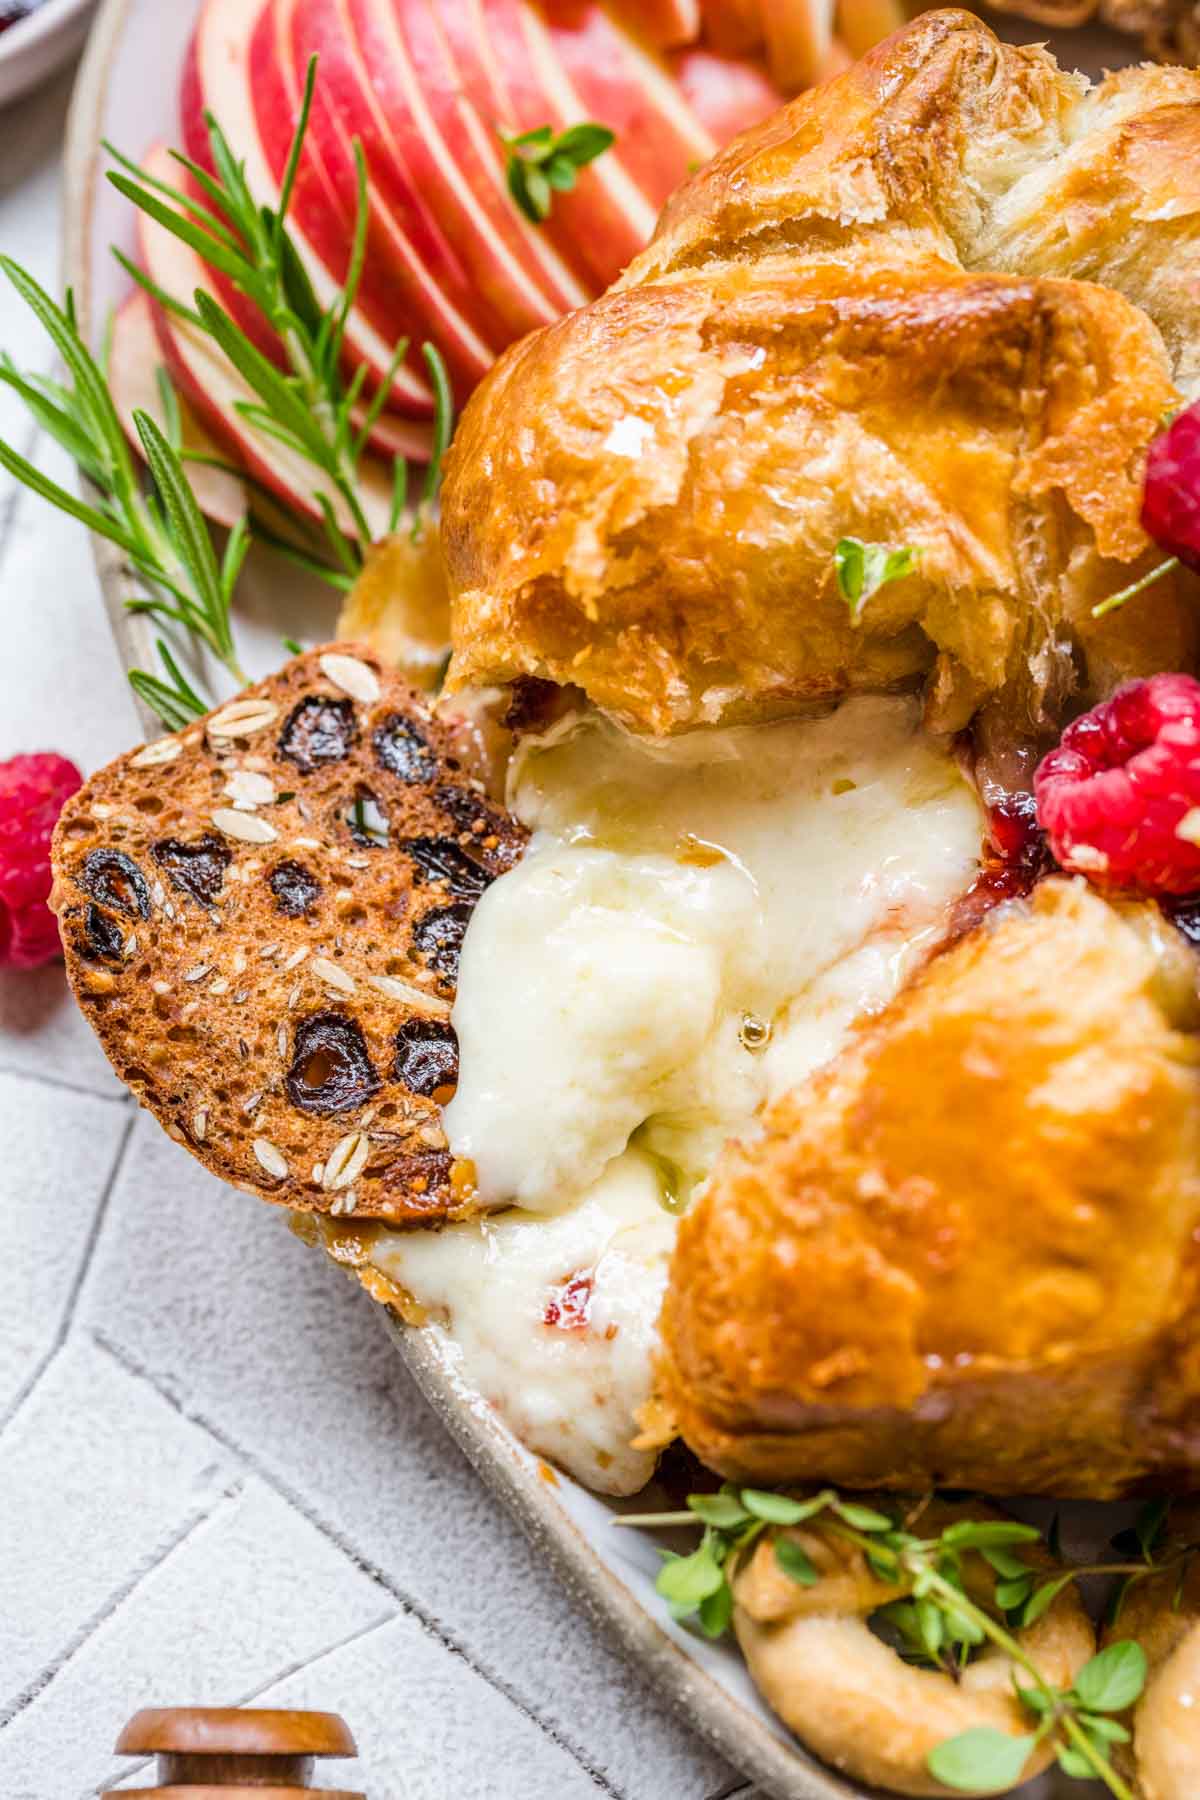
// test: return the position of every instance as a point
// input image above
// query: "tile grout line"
(129, 1769)
(14, 1072)
(115, 1601)
(30, 1386)
(406, 1602)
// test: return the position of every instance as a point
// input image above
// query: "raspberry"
(1120, 797)
(33, 791)
(1171, 499)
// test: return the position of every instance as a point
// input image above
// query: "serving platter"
(127, 93)
(34, 47)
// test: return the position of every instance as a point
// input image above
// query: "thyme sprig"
(539, 162)
(1113, 602)
(934, 1619)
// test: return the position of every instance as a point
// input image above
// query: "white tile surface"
(220, 1483)
(62, 1152)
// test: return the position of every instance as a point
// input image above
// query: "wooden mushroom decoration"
(209, 1751)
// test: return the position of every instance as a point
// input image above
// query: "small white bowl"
(34, 47)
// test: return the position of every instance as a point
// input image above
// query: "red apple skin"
(419, 203)
(217, 78)
(621, 84)
(456, 159)
(605, 221)
(728, 94)
(399, 296)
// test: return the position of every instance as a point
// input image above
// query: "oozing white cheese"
(694, 927)
(670, 892)
(553, 1319)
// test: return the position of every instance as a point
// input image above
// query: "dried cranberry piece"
(330, 1071)
(318, 731)
(420, 1177)
(1171, 497)
(426, 1056)
(438, 938)
(115, 880)
(570, 1305)
(1120, 797)
(197, 870)
(102, 935)
(402, 750)
(295, 888)
(440, 859)
(474, 813)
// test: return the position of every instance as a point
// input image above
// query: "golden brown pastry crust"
(965, 1253)
(865, 318)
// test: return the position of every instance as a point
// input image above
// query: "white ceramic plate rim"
(33, 47)
(706, 1684)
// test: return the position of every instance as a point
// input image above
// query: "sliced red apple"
(419, 202)
(409, 258)
(134, 357)
(798, 34)
(458, 163)
(213, 388)
(728, 94)
(619, 83)
(220, 80)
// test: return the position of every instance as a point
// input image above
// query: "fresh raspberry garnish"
(1171, 499)
(1120, 797)
(33, 791)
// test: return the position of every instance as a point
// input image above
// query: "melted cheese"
(694, 927)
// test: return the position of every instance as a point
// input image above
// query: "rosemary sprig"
(539, 162)
(308, 406)
(862, 569)
(934, 1619)
(159, 526)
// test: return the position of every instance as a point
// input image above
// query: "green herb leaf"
(1044, 1597)
(715, 1611)
(1109, 1731)
(1010, 1594)
(1010, 1567)
(539, 163)
(980, 1760)
(684, 1581)
(862, 1518)
(779, 1509)
(862, 569)
(1072, 1762)
(1113, 1679)
(724, 1511)
(795, 1563)
(988, 1534)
